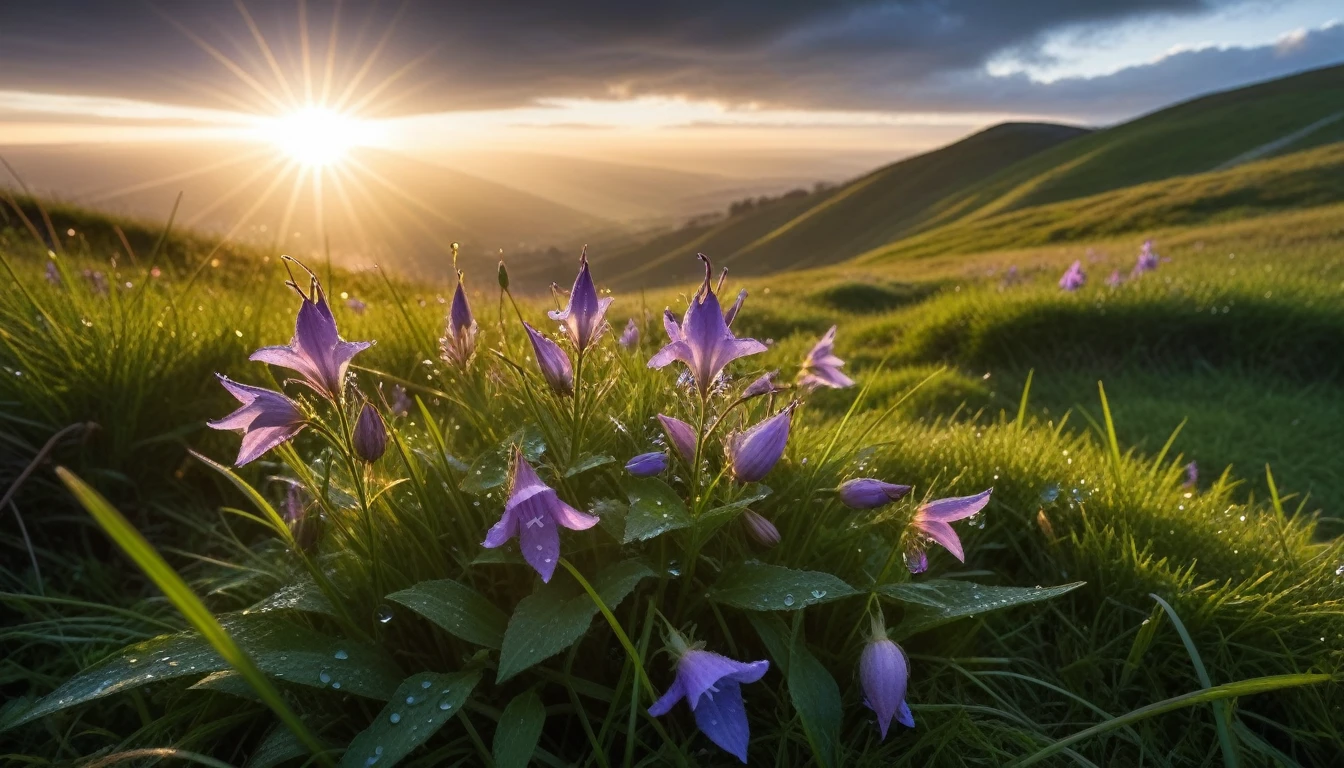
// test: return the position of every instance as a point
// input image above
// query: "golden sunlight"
(317, 136)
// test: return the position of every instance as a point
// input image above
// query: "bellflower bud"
(885, 673)
(503, 276)
(553, 362)
(753, 453)
(370, 434)
(681, 435)
(868, 493)
(761, 530)
(647, 464)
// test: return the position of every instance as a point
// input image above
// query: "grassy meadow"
(974, 370)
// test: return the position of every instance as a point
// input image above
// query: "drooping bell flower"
(682, 437)
(532, 514)
(647, 464)
(304, 523)
(316, 351)
(459, 338)
(703, 341)
(932, 523)
(630, 336)
(553, 362)
(761, 530)
(1148, 259)
(1191, 475)
(822, 367)
(584, 317)
(1074, 277)
(753, 453)
(266, 419)
(712, 687)
(763, 385)
(869, 493)
(370, 438)
(885, 673)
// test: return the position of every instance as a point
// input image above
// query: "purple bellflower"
(764, 385)
(761, 530)
(370, 437)
(316, 351)
(459, 337)
(584, 318)
(703, 341)
(553, 362)
(647, 464)
(356, 306)
(630, 336)
(822, 367)
(1074, 277)
(884, 672)
(753, 453)
(869, 493)
(932, 522)
(681, 435)
(712, 687)
(1148, 259)
(266, 419)
(532, 514)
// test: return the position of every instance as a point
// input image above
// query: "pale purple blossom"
(932, 522)
(682, 437)
(630, 336)
(584, 318)
(761, 530)
(1074, 277)
(647, 464)
(884, 673)
(52, 274)
(370, 438)
(533, 513)
(822, 367)
(763, 385)
(1191, 475)
(552, 361)
(753, 453)
(869, 493)
(266, 419)
(356, 306)
(1148, 259)
(712, 687)
(703, 341)
(1115, 279)
(459, 337)
(316, 351)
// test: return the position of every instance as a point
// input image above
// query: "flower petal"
(537, 536)
(942, 533)
(904, 716)
(681, 435)
(664, 704)
(723, 718)
(959, 508)
(502, 531)
(570, 517)
(258, 441)
(884, 673)
(699, 671)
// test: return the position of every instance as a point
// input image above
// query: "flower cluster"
(1074, 277)
(723, 432)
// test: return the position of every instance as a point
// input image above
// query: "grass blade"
(1214, 694)
(1022, 404)
(1110, 427)
(180, 595)
(1220, 712)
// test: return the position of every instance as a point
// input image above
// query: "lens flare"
(317, 136)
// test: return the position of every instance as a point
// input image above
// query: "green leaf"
(518, 731)
(762, 587)
(611, 516)
(302, 595)
(713, 519)
(281, 650)
(498, 556)
(557, 614)
(418, 709)
(490, 470)
(588, 462)
(654, 509)
(278, 747)
(226, 681)
(459, 609)
(935, 602)
(813, 691)
(216, 637)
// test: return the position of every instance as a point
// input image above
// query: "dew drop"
(384, 613)
(324, 676)
(410, 699)
(336, 684)
(341, 655)
(425, 684)
(395, 718)
(445, 705)
(818, 593)
(788, 599)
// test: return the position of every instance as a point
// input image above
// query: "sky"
(593, 75)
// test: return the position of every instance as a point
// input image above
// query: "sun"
(316, 136)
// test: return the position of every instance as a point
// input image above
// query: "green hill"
(1263, 147)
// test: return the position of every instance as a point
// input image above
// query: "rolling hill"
(1264, 147)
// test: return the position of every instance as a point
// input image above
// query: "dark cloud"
(850, 54)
